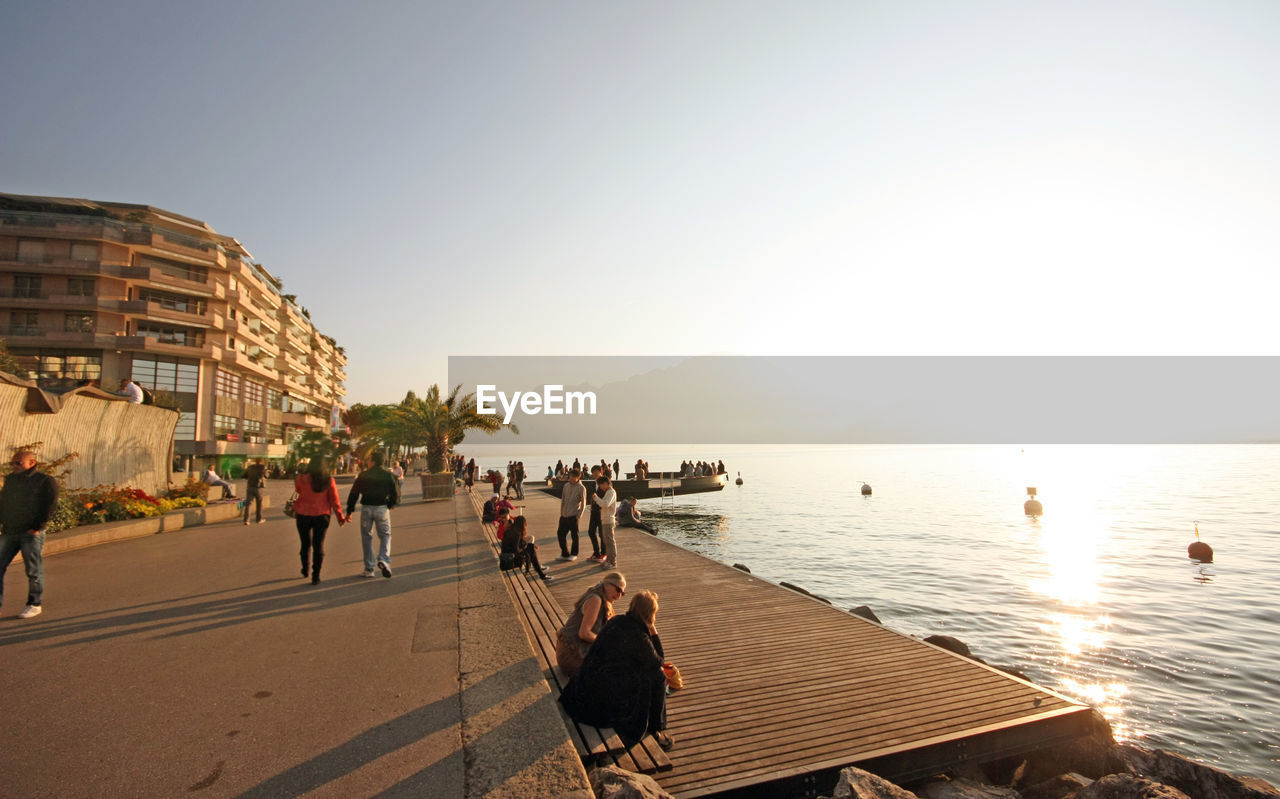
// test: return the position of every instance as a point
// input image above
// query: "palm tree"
(433, 423)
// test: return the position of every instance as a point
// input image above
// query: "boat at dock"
(658, 484)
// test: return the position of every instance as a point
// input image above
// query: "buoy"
(739, 480)
(1032, 506)
(1199, 550)
(866, 490)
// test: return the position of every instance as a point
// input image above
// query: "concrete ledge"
(93, 534)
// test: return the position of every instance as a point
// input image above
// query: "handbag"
(288, 506)
(674, 680)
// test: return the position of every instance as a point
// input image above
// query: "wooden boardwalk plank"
(780, 685)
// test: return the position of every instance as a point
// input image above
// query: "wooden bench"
(542, 618)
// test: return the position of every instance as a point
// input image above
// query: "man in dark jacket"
(378, 492)
(27, 501)
(255, 480)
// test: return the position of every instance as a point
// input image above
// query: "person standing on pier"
(593, 522)
(605, 504)
(573, 499)
(376, 488)
(27, 501)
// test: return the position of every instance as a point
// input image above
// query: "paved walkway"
(201, 663)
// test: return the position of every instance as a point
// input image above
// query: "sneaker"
(31, 611)
(262, 521)
(607, 565)
(367, 573)
(246, 522)
(386, 570)
(564, 557)
(573, 557)
(546, 578)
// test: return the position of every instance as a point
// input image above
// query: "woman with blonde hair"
(590, 612)
(621, 683)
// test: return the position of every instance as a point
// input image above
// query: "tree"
(434, 423)
(8, 363)
(316, 444)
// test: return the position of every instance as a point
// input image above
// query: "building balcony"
(307, 420)
(206, 349)
(159, 313)
(294, 364)
(264, 340)
(38, 224)
(254, 364)
(294, 385)
(295, 341)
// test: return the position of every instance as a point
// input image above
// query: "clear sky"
(552, 178)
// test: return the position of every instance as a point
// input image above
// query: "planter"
(436, 486)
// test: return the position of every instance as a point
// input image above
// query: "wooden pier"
(783, 690)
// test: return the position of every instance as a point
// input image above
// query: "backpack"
(489, 512)
(147, 397)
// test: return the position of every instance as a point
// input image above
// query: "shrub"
(194, 488)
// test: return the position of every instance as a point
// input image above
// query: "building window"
(252, 427)
(222, 425)
(253, 392)
(167, 374)
(31, 251)
(274, 400)
(24, 323)
(174, 302)
(60, 369)
(81, 251)
(27, 286)
(274, 433)
(78, 323)
(170, 334)
(186, 429)
(227, 384)
(81, 286)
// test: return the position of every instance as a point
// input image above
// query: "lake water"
(1096, 599)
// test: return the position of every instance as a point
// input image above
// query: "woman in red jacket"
(317, 497)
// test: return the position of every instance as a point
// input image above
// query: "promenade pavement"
(201, 663)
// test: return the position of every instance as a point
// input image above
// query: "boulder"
(1057, 787)
(1127, 786)
(741, 567)
(950, 644)
(611, 782)
(966, 789)
(1092, 755)
(1195, 779)
(866, 613)
(858, 784)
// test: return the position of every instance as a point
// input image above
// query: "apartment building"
(103, 292)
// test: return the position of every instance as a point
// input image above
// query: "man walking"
(378, 492)
(573, 499)
(27, 501)
(255, 479)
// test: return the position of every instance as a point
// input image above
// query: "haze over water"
(1096, 599)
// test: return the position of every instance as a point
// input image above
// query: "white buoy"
(739, 480)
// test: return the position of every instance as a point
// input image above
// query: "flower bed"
(112, 503)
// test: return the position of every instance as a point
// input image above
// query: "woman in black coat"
(621, 683)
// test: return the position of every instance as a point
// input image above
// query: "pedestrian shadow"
(445, 776)
(279, 598)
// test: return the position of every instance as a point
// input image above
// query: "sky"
(574, 178)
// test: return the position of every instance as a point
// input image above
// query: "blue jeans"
(378, 516)
(32, 549)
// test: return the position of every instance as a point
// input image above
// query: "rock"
(1091, 755)
(966, 789)
(866, 613)
(1127, 786)
(858, 784)
(742, 567)
(1190, 777)
(1057, 787)
(611, 782)
(950, 644)
(794, 587)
